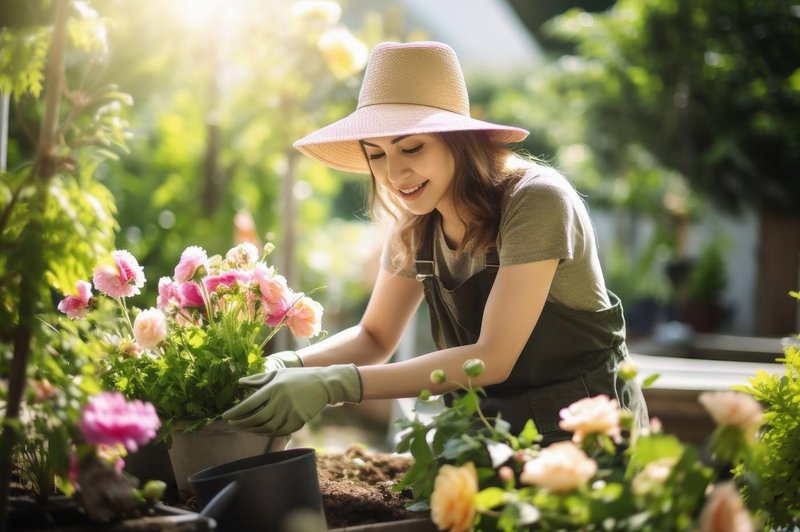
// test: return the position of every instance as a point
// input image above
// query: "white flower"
(150, 328)
(245, 254)
(325, 11)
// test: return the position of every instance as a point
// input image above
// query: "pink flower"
(109, 419)
(305, 318)
(77, 305)
(592, 415)
(122, 279)
(150, 328)
(276, 295)
(190, 295)
(192, 258)
(735, 409)
(229, 279)
(167, 293)
(725, 512)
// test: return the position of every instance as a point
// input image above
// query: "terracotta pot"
(215, 444)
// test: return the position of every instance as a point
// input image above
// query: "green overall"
(571, 354)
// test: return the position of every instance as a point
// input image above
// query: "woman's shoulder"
(540, 185)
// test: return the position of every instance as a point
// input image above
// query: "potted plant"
(473, 474)
(705, 285)
(187, 353)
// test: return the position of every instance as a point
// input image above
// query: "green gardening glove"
(281, 360)
(288, 398)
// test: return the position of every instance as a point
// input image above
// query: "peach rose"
(592, 415)
(150, 328)
(304, 319)
(453, 497)
(652, 476)
(725, 512)
(560, 467)
(733, 408)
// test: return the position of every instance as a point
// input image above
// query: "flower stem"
(125, 314)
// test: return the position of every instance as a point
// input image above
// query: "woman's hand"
(288, 398)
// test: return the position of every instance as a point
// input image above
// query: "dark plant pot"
(703, 316)
(641, 316)
(63, 514)
(264, 493)
(151, 462)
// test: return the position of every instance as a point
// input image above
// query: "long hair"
(482, 175)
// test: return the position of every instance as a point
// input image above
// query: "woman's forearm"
(409, 377)
(350, 346)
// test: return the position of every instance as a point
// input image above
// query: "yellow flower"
(345, 54)
(326, 12)
(453, 498)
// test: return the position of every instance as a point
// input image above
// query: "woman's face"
(417, 169)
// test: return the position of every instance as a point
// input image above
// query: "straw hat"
(408, 89)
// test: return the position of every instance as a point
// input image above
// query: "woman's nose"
(396, 169)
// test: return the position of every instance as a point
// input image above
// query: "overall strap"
(424, 256)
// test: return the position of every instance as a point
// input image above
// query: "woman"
(501, 248)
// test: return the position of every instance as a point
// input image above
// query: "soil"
(357, 489)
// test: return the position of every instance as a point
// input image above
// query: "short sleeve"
(538, 221)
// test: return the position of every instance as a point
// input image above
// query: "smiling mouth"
(410, 191)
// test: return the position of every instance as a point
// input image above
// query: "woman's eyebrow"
(393, 141)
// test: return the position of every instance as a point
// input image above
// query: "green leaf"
(489, 498)
(646, 383)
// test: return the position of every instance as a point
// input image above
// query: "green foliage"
(23, 52)
(776, 493)
(708, 277)
(644, 481)
(706, 87)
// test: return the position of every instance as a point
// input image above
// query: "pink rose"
(75, 306)
(167, 293)
(733, 408)
(592, 415)
(725, 512)
(560, 467)
(276, 296)
(305, 318)
(190, 295)
(150, 328)
(122, 279)
(229, 279)
(192, 258)
(109, 419)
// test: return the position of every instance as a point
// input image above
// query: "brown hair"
(481, 178)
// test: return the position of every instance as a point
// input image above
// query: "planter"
(215, 444)
(270, 492)
(63, 514)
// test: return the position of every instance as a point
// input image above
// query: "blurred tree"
(664, 93)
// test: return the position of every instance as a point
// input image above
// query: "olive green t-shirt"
(542, 218)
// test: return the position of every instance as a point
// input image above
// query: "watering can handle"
(216, 506)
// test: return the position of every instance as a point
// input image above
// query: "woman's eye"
(413, 150)
(373, 156)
